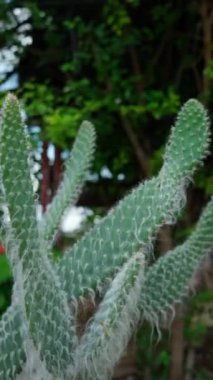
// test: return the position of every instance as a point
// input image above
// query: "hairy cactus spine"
(110, 329)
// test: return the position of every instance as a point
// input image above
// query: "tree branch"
(138, 150)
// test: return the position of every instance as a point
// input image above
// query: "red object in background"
(2, 250)
(57, 168)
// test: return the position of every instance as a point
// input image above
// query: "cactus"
(117, 313)
(137, 218)
(177, 264)
(71, 185)
(31, 267)
(38, 337)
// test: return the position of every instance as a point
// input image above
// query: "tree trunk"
(177, 347)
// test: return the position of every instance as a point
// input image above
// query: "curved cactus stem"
(129, 296)
(73, 180)
(173, 271)
(110, 329)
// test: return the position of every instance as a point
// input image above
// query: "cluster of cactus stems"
(38, 332)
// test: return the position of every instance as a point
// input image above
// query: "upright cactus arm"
(12, 350)
(189, 139)
(108, 333)
(73, 180)
(167, 281)
(136, 219)
(45, 312)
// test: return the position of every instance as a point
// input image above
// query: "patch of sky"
(10, 55)
(106, 173)
(10, 84)
(120, 177)
(92, 177)
(74, 218)
(51, 153)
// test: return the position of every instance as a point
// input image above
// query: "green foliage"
(38, 331)
(5, 272)
(5, 279)
(199, 318)
(35, 91)
(129, 57)
(151, 356)
(97, 81)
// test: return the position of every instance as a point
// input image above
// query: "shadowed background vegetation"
(126, 66)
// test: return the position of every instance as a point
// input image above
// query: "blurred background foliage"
(127, 66)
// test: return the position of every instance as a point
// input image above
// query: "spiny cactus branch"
(173, 271)
(111, 327)
(72, 182)
(45, 312)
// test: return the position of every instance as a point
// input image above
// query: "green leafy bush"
(38, 332)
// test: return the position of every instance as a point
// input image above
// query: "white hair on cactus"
(34, 368)
(109, 331)
(173, 271)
